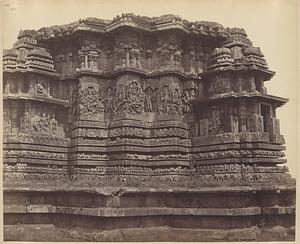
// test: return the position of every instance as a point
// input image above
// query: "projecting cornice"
(91, 46)
(155, 24)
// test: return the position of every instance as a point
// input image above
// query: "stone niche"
(142, 125)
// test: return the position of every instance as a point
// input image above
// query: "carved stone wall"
(148, 95)
(142, 122)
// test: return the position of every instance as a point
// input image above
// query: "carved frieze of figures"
(170, 99)
(44, 125)
(130, 98)
(89, 101)
(215, 121)
(219, 84)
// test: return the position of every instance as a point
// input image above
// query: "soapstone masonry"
(142, 122)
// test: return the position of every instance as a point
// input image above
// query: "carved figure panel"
(215, 124)
(26, 124)
(41, 87)
(6, 125)
(43, 125)
(234, 122)
(255, 123)
(148, 100)
(90, 102)
(251, 84)
(260, 123)
(203, 124)
(274, 126)
(74, 103)
(170, 99)
(130, 98)
(187, 97)
(219, 84)
(109, 100)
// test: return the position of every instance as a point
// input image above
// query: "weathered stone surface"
(249, 234)
(138, 102)
(50, 233)
(292, 230)
(278, 232)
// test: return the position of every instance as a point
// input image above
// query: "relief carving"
(219, 85)
(275, 126)
(127, 51)
(109, 100)
(26, 124)
(42, 124)
(107, 114)
(130, 98)
(234, 121)
(187, 97)
(40, 87)
(215, 122)
(74, 103)
(148, 100)
(203, 123)
(170, 100)
(260, 123)
(89, 101)
(170, 55)
(255, 123)
(6, 125)
(88, 55)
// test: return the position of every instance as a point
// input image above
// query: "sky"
(270, 24)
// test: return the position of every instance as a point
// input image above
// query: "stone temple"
(142, 129)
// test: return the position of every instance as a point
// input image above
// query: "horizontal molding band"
(148, 211)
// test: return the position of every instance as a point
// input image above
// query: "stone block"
(247, 234)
